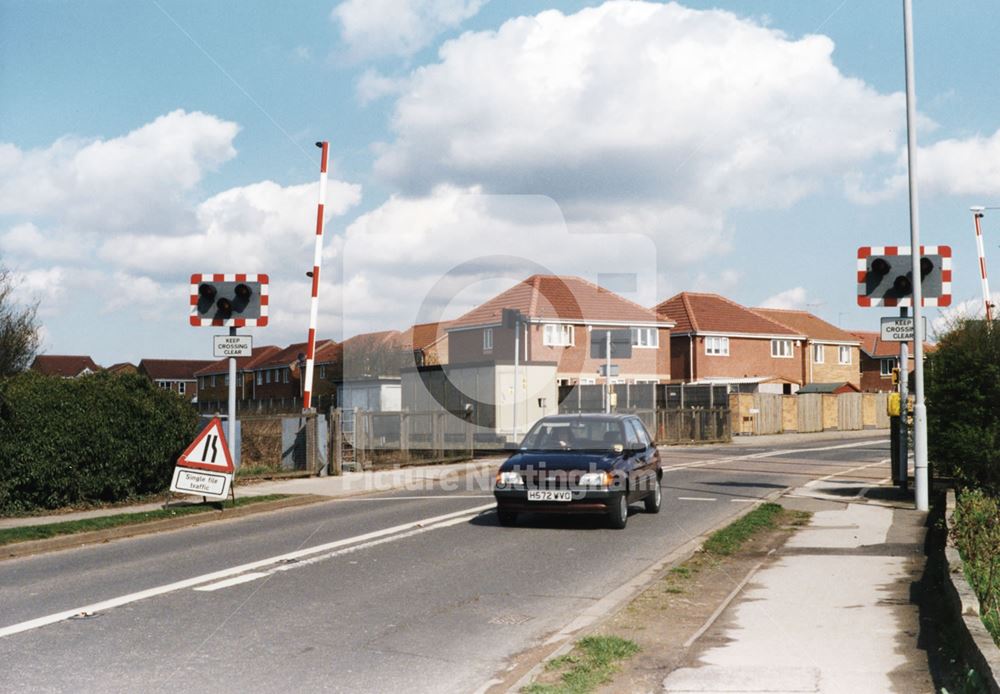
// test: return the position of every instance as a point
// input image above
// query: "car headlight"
(509, 479)
(595, 479)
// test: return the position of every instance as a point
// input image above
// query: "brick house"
(558, 314)
(64, 365)
(429, 342)
(878, 358)
(177, 375)
(276, 377)
(830, 355)
(213, 380)
(717, 340)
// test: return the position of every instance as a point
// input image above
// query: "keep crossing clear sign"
(900, 329)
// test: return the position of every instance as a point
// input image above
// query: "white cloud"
(419, 258)
(375, 28)
(975, 309)
(373, 85)
(26, 240)
(138, 179)
(962, 167)
(794, 298)
(636, 100)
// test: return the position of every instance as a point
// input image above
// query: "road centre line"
(410, 498)
(696, 498)
(765, 454)
(432, 523)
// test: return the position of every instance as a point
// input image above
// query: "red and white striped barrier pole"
(317, 260)
(977, 214)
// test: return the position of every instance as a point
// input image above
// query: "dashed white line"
(696, 498)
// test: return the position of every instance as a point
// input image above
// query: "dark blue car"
(581, 463)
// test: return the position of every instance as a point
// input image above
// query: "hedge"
(963, 405)
(95, 439)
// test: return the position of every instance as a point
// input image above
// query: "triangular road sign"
(208, 451)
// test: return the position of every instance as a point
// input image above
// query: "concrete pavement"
(831, 611)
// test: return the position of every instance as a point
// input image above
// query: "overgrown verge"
(48, 530)
(97, 439)
(976, 533)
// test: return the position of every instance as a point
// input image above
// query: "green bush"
(963, 405)
(976, 533)
(100, 438)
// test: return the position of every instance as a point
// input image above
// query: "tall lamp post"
(919, 409)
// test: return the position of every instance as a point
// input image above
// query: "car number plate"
(549, 495)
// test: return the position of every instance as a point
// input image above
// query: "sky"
(743, 148)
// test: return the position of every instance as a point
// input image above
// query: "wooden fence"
(766, 413)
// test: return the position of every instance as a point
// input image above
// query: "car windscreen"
(575, 434)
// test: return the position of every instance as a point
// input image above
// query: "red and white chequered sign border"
(229, 322)
(866, 251)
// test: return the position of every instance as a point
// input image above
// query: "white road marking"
(235, 581)
(696, 498)
(435, 521)
(429, 496)
(765, 454)
(844, 472)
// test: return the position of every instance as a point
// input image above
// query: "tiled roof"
(423, 335)
(172, 369)
(557, 297)
(290, 354)
(123, 366)
(711, 313)
(875, 347)
(242, 363)
(63, 365)
(811, 326)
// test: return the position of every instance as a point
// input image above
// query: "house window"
(267, 376)
(322, 371)
(587, 381)
(718, 346)
(225, 380)
(781, 348)
(645, 337)
(818, 354)
(844, 355)
(181, 387)
(286, 374)
(887, 365)
(260, 378)
(163, 384)
(213, 380)
(557, 335)
(488, 340)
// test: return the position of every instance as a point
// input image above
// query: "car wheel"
(618, 511)
(654, 499)
(507, 518)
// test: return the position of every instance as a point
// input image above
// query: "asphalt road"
(406, 591)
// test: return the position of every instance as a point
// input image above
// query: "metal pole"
(977, 213)
(317, 260)
(517, 350)
(904, 387)
(607, 373)
(231, 418)
(916, 251)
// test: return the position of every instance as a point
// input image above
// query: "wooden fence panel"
(767, 418)
(849, 412)
(810, 412)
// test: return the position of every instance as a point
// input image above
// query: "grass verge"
(592, 662)
(728, 540)
(595, 659)
(84, 525)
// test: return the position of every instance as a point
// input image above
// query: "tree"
(18, 328)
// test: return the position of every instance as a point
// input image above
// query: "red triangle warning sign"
(208, 451)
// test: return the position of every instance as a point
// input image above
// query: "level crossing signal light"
(236, 300)
(885, 276)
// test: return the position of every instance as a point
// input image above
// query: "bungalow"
(177, 375)
(716, 340)
(66, 366)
